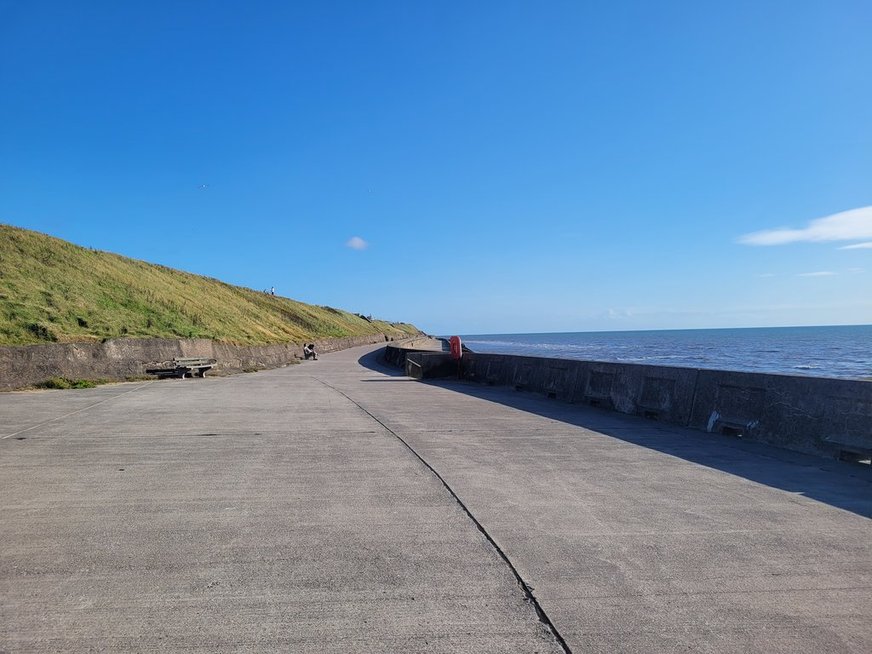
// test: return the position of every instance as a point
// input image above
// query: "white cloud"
(766, 275)
(858, 246)
(619, 314)
(850, 225)
(356, 243)
(820, 273)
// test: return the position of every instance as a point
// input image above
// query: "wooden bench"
(181, 368)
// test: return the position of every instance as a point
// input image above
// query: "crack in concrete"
(526, 589)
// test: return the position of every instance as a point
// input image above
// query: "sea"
(843, 352)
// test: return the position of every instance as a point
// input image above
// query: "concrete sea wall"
(828, 417)
(124, 358)
(397, 353)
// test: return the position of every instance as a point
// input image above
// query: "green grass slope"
(54, 291)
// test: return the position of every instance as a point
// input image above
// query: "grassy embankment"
(54, 291)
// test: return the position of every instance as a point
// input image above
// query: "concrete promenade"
(335, 506)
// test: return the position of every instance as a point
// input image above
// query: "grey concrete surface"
(280, 511)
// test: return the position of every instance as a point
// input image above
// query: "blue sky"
(505, 166)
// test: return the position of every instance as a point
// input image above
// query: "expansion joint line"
(72, 413)
(524, 586)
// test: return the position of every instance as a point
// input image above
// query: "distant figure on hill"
(272, 290)
(309, 351)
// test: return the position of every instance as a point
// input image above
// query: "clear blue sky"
(509, 166)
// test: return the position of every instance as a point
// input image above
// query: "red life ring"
(456, 347)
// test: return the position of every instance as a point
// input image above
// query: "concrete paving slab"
(641, 537)
(22, 411)
(282, 511)
(256, 513)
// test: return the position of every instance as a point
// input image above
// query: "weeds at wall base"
(64, 383)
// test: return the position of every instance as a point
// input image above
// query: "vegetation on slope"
(54, 291)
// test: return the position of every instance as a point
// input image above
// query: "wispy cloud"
(858, 246)
(356, 243)
(618, 314)
(850, 225)
(766, 275)
(819, 273)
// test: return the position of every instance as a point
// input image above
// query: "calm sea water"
(844, 352)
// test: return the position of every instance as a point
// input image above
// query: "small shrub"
(55, 382)
(87, 383)
(64, 383)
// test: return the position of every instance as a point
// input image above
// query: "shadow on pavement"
(847, 486)
(373, 361)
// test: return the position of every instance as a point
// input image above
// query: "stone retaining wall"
(123, 358)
